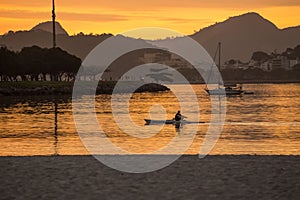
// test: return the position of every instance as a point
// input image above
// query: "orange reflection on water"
(266, 123)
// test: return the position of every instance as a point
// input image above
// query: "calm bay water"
(267, 122)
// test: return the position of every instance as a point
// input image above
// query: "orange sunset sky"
(117, 16)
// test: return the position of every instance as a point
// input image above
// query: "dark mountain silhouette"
(47, 26)
(240, 36)
(79, 45)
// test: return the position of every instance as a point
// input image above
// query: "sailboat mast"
(53, 24)
(219, 64)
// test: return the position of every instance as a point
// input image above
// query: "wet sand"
(214, 177)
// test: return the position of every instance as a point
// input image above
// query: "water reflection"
(55, 129)
(267, 122)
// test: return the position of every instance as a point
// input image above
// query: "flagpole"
(53, 23)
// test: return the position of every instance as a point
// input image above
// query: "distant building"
(160, 57)
(293, 62)
(234, 64)
(266, 66)
(277, 61)
(286, 60)
(166, 58)
(280, 62)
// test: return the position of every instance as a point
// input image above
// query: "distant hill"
(240, 36)
(79, 45)
(47, 27)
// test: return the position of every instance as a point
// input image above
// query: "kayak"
(151, 121)
(169, 121)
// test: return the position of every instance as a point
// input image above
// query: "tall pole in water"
(53, 24)
(219, 64)
(55, 104)
(220, 56)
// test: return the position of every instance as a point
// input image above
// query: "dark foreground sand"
(214, 177)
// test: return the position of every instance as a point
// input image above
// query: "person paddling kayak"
(178, 116)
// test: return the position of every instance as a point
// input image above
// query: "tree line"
(290, 53)
(36, 64)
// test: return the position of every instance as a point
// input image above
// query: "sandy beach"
(214, 177)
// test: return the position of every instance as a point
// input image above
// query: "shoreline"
(38, 88)
(153, 155)
(255, 82)
(213, 177)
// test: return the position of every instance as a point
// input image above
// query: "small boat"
(169, 121)
(177, 124)
(232, 89)
(248, 92)
(226, 90)
(151, 121)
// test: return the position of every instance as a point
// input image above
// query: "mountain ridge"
(47, 26)
(240, 36)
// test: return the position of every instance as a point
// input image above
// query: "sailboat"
(229, 89)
